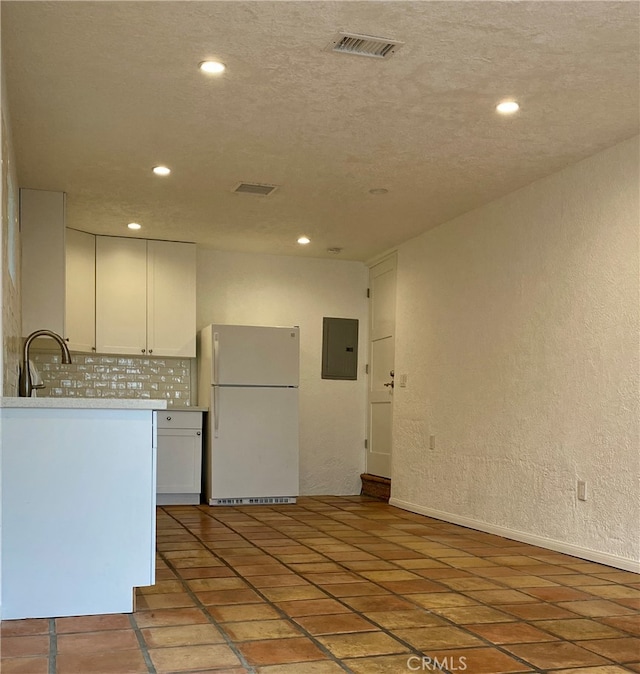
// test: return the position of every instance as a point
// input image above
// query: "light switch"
(582, 490)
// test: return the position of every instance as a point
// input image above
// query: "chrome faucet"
(26, 386)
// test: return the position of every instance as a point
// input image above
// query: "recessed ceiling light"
(161, 170)
(378, 190)
(507, 107)
(134, 225)
(304, 240)
(212, 67)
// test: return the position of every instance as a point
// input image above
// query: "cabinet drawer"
(179, 419)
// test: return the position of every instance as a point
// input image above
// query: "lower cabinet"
(78, 517)
(179, 457)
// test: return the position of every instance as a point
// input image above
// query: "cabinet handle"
(198, 433)
(66, 339)
(143, 350)
(150, 350)
(93, 348)
(168, 418)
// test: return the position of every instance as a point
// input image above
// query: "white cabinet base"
(78, 510)
(179, 457)
(178, 499)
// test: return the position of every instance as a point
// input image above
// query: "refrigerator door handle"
(216, 412)
(216, 356)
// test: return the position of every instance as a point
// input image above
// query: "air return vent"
(364, 45)
(257, 500)
(255, 188)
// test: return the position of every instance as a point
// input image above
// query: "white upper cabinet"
(121, 295)
(102, 293)
(145, 297)
(58, 272)
(80, 301)
(171, 292)
(43, 264)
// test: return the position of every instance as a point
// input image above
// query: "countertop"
(87, 403)
(195, 408)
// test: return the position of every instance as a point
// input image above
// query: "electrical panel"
(339, 348)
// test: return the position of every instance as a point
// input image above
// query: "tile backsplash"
(96, 376)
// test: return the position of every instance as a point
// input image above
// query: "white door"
(254, 448)
(171, 299)
(179, 461)
(255, 355)
(42, 215)
(121, 295)
(80, 323)
(382, 311)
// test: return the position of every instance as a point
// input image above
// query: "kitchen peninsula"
(78, 504)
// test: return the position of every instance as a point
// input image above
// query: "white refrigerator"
(248, 377)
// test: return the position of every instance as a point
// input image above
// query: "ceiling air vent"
(255, 188)
(364, 45)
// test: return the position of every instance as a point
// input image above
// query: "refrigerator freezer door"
(255, 453)
(246, 355)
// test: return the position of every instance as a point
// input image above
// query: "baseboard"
(532, 539)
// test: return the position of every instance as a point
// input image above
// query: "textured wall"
(518, 327)
(11, 312)
(99, 376)
(277, 290)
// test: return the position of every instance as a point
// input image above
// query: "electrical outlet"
(432, 442)
(582, 490)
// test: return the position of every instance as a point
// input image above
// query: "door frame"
(390, 257)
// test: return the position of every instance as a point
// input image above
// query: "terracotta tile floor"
(345, 584)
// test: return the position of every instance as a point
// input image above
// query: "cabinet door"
(81, 290)
(179, 461)
(171, 299)
(42, 242)
(121, 295)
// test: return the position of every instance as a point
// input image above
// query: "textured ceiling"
(100, 92)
